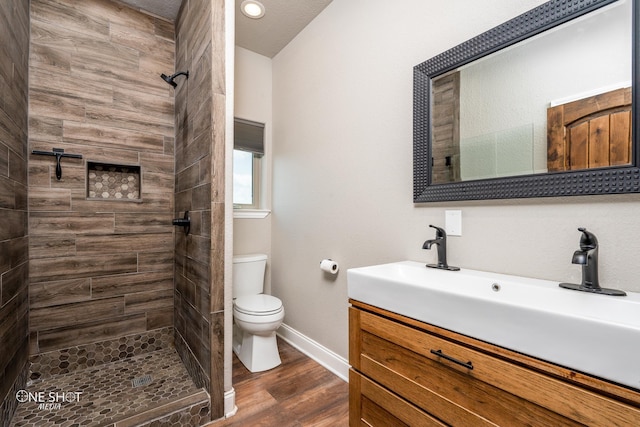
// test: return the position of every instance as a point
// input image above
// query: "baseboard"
(327, 358)
(230, 407)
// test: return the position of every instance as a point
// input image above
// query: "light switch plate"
(453, 222)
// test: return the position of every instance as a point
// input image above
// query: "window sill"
(251, 213)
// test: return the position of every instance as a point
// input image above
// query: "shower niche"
(107, 181)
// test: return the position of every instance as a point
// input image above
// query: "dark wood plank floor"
(300, 392)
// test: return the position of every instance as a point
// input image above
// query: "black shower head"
(169, 79)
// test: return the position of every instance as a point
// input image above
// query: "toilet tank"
(248, 274)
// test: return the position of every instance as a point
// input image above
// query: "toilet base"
(256, 352)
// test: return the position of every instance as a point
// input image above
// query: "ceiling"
(283, 20)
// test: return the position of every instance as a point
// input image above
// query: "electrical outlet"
(453, 223)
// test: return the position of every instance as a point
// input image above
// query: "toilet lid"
(258, 304)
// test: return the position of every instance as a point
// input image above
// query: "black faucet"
(587, 256)
(441, 242)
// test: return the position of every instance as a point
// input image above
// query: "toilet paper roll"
(329, 266)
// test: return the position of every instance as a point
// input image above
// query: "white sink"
(594, 334)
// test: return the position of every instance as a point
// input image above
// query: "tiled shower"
(94, 277)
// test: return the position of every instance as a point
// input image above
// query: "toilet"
(256, 316)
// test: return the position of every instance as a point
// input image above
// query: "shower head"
(169, 79)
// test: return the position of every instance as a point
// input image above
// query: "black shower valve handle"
(185, 222)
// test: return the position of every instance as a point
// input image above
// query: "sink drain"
(141, 381)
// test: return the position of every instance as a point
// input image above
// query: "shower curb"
(189, 410)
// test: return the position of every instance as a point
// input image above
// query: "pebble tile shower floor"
(107, 395)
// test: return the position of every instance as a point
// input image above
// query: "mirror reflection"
(558, 101)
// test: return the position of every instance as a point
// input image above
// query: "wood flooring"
(298, 393)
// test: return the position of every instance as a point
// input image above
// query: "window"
(246, 180)
(247, 155)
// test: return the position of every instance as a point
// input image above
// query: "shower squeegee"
(58, 153)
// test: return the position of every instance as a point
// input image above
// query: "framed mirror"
(544, 105)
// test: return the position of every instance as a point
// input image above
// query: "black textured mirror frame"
(610, 180)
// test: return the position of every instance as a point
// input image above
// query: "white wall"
(253, 101)
(342, 167)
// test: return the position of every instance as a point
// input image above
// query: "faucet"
(441, 242)
(587, 256)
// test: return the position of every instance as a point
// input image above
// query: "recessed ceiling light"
(252, 9)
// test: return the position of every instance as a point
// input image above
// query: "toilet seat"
(258, 305)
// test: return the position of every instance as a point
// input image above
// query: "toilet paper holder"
(329, 266)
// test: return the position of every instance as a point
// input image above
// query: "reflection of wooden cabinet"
(590, 133)
(408, 373)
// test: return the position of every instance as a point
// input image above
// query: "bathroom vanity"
(418, 370)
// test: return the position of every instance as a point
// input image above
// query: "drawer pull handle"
(439, 353)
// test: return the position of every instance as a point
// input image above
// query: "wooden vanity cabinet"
(409, 373)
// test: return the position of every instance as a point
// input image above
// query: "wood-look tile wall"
(99, 269)
(200, 122)
(14, 256)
